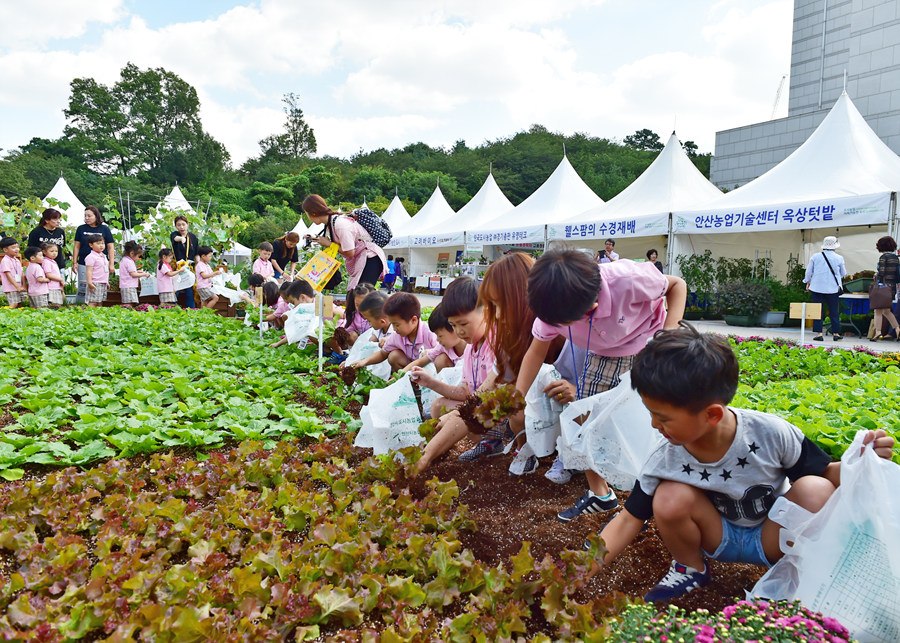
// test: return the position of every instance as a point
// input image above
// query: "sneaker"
(336, 358)
(679, 580)
(588, 503)
(483, 448)
(530, 466)
(558, 473)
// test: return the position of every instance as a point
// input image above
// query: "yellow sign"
(321, 267)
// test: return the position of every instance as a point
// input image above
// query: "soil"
(510, 510)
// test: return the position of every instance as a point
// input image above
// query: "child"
(38, 284)
(450, 346)
(297, 292)
(253, 282)
(11, 272)
(354, 322)
(276, 317)
(713, 481)
(51, 271)
(372, 310)
(97, 270)
(410, 339)
(164, 273)
(611, 312)
(208, 299)
(262, 266)
(129, 275)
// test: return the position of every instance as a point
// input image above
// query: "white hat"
(830, 243)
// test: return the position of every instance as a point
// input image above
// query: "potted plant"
(860, 281)
(743, 303)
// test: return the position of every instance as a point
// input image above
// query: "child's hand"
(883, 443)
(381, 342)
(561, 390)
(92, 287)
(418, 375)
(357, 364)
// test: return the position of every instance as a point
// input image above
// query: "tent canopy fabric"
(843, 175)
(74, 214)
(176, 202)
(396, 215)
(435, 211)
(672, 182)
(563, 195)
(301, 228)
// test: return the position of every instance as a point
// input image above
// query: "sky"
(389, 73)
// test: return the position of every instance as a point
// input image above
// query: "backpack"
(377, 227)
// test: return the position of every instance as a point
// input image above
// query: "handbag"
(880, 296)
(321, 268)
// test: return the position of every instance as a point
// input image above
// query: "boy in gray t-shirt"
(712, 483)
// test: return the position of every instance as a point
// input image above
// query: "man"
(608, 255)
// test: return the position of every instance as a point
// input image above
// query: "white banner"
(530, 234)
(824, 213)
(437, 240)
(620, 228)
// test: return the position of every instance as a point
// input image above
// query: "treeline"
(119, 142)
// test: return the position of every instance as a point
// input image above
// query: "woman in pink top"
(38, 284)
(365, 261)
(129, 275)
(51, 270)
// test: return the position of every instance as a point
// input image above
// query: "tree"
(644, 139)
(690, 148)
(298, 138)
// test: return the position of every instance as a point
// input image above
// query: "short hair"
(686, 368)
(390, 257)
(96, 211)
(256, 280)
(461, 297)
(563, 285)
(181, 217)
(437, 320)
(204, 250)
(612, 241)
(401, 259)
(284, 287)
(886, 244)
(374, 304)
(92, 238)
(265, 245)
(650, 252)
(30, 251)
(301, 287)
(50, 214)
(6, 242)
(403, 305)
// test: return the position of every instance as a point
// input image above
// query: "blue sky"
(394, 72)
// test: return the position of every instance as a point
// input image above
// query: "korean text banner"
(531, 234)
(622, 227)
(824, 213)
(437, 240)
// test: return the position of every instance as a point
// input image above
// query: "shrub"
(748, 298)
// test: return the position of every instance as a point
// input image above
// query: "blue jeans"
(833, 301)
(740, 545)
(186, 294)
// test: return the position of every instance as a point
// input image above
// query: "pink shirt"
(13, 265)
(164, 282)
(126, 267)
(477, 364)
(32, 274)
(425, 340)
(630, 308)
(99, 261)
(438, 350)
(353, 237)
(264, 268)
(281, 307)
(359, 324)
(52, 268)
(202, 267)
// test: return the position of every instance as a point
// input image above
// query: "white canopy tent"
(396, 215)
(563, 195)
(301, 228)
(436, 211)
(175, 202)
(237, 253)
(843, 176)
(72, 215)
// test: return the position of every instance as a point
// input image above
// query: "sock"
(608, 496)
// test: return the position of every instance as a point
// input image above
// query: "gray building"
(831, 37)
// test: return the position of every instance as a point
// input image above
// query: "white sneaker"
(557, 473)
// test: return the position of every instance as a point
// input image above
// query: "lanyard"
(412, 347)
(476, 363)
(579, 390)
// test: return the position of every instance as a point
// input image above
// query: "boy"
(713, 481)
(410, 337)
(38, 284)
(450, 345)
(11, 272)
(298, 292)
(460, 306)
(391, 275)
(96, 267)
(208, 298)
(610, 312)
(372, 310)
(51, 271)
(262, 266)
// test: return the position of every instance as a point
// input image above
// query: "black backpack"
(377, 227)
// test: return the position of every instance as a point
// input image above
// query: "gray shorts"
(15, 297)
(39, 301)
(56, 297)
(129, 295)
(205, 293)
(99, 294)
(167, 297)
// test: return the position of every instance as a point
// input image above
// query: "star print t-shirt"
(743, 485)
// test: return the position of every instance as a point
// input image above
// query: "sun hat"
(830, 243)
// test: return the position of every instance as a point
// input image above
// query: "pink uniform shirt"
(13, 265)
(424, 340)
(630, 308)
(163, 282)
(477, 364)
(441, 350)
(52, 268)
(99, 261)
(32, 274)
(202, 267)
(264, 268)
(359, 324)
(126, 267)
(281, 307)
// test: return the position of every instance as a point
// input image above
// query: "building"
(830, 38)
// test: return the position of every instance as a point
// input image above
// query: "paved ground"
(721, 328)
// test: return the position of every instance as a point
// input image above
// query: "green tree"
(370, 182)
(298, 138)
(644, 139)
(690, 148)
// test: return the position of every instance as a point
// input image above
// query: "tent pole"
(893, 214)
(670, 247)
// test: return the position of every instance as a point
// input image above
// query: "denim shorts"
(740, 545)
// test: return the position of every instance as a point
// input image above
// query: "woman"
(93, 224)
(284, 253)
(48, 230)
(887, 273)
(185, 246)
(652, 257)
(365, 261)
(823, 281)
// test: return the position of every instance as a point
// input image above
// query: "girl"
(354, 322)
(249, 296)
(96, 268)
(208, 299)
(51, 270)
(262, 266)
(129, 273)
(276, 317)
(164, 274)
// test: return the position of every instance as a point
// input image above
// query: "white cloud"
(38, 22)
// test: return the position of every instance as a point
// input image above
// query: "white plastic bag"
(844, 560)
(362, 348)
(391, 419)
(219, 285)
(148, 286)
(299, 325)
(451, 376)
(612, 437)
(183, 280)
(542, 413)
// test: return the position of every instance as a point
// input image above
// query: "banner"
(530, 234)
(619, 228)
(321, 267)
